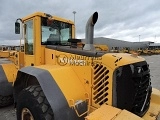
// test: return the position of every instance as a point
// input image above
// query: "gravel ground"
(8, 113)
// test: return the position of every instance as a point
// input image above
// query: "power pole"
(74, 13)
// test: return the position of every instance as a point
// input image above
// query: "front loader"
(56, 81)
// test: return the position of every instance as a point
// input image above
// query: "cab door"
(29, 43)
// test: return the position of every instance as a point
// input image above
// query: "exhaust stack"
(89, 33)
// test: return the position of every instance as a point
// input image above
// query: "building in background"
(154, 46)
(120, 43)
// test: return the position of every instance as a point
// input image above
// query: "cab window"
(55, 32)
(29, 37)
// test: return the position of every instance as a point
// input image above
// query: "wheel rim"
(26, 114)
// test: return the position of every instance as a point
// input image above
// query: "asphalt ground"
(9, 113)
(154, 65)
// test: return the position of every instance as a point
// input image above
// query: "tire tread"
(36, 94)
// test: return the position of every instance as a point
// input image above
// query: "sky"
(128, 20)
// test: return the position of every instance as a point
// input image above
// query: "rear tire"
(6, 100)
(32, 104)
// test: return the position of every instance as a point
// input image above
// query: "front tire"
(6, 100)
(33, 105)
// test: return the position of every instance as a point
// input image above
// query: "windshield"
(55, 32)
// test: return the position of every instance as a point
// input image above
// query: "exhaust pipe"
(89, 33)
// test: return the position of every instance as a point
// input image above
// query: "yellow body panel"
(50, 56)
(42, 57)
(83, 70)
(17, 58)
(67, 81)
(125, 115)
(10, 71)
(106, 112)
(122, 59)
(20, 59)
(29, 59)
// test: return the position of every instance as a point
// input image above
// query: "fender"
(6, 88)
(51, 90)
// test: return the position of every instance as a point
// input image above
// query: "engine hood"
(115, 60)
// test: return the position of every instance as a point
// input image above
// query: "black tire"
(35, 101)
(6, 100)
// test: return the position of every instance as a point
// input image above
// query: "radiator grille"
(143, 90)
(132, 88)
(100, 84)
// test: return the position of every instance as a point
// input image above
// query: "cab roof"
(42, 14)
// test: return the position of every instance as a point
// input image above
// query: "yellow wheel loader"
(99, 47)
(147, 51)
(125, 50)
(8, 71)
(55, 81)
(4, 52)
(157, 51)
(140, 51)
(115, 50)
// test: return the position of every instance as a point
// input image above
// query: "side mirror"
(17, 28)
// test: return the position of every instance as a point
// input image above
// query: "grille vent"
(133, 88)
(100, 84)
(143, 88)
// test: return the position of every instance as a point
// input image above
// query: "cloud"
(119, 19)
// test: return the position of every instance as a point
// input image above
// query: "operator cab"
(41, 30)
